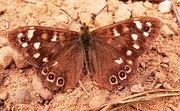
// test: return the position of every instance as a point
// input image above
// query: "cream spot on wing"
(129, 52)
(134, 36)
(20, 35)
(136, 46)
(125, 29)
(30, 33)
(119, 61)
(129, 62)
(115, 32)
(54, 37)
(138, 24)
(36, 55)
(44, 36)
(55, 63)
(45, 59)
(24, 45)
(146, 34)
(36, 45)
(148, 24)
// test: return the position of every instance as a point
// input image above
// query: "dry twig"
(176, 12)
(147, 95)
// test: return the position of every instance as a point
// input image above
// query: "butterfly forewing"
(118, 46)
(38, 43)
(56, 54)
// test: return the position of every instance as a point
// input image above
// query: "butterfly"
(108, 53)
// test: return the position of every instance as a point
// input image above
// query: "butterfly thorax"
(85, 37)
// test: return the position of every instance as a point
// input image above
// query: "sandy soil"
(158, 68)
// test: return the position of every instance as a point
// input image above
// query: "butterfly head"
(84, 28)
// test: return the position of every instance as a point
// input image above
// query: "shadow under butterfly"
(110, 53)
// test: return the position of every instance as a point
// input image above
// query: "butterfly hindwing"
(64, 72)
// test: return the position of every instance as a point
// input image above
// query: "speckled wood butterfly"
(108, 53)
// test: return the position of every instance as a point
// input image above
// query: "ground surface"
(159, 67)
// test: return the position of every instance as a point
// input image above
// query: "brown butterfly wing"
(117, 47)
(55, 53)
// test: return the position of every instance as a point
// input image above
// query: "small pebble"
(137, 88)
(42, 108)
(165, 60)
(41, 7)
(33, 21)
(122, 15)
(113, 5)
(3, 41)
(97, 101)
(7, 83)
(21, 95)
(166, 30)
(95, 7)
(39, 89)
(86, 18)
(167, 86)
(3, 94)
(160, 76)
(148, 5)
(62, 18)
(19, 60)
(6, 56)
(103, 19)
(165, 7)
(138, 9)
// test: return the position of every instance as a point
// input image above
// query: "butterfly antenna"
(81, 84)
(101, 10)
(176, 12)
(79, 22)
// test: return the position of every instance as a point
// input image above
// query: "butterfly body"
(109, 53)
